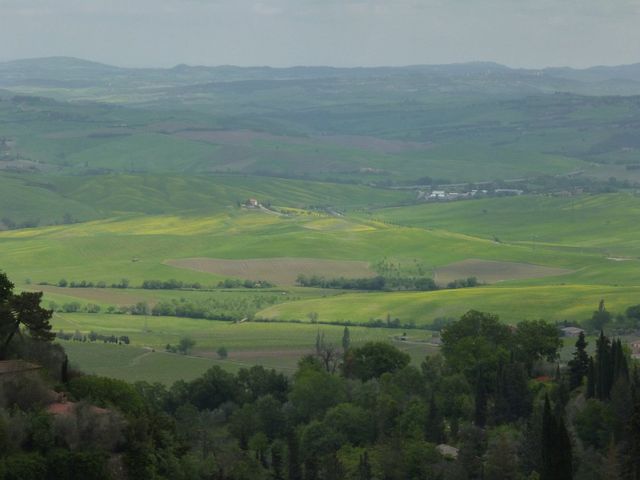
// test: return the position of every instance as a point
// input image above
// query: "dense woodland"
(494, 404)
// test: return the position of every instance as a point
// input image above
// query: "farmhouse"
(508, 191)
(571, 331)
(252, 203)
(635, 348)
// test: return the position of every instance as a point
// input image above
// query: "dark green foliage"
(108, 392)
(610, 365)
(603, 367)
(21, 310)
(633, 312)
(378, 283)
(476, 344)
(353, 423)
(556, 447)
(594, 424)
(346, 340)
(364, 467)
(384, 421)
(209, 391)
(434, 426)
(23, 467)
(535, 340)
(65, 465)
(579, 365)
(257, 381)
(513, 397)
(600, 318)
(314, 391)
(591, 379)
(373, 359)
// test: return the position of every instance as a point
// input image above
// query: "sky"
(164, 33)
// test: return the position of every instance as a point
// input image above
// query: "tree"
(600, 317)
(502, 456)
(327, 353)
(375, 358)
(513, 398)
(555, 448)
(603, 367)
(346, 339)
(222, 353)
(186, 344)
(22, 310)
(477, 342)
(594, 424)
(534, 340)
(579, 365)
(353, 422)
(434, 427)
(591, 379)
(315, 391)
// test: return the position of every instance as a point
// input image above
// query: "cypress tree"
(346, 339)
(632, 460)
(591, 379)
(513, 398)
(619, 360)
(64, 370)
(555, 448)
(434, 428)
(604, 367)
(548, 442)
(579, 365)
(295, 472)
(481, 402)
(364, 467)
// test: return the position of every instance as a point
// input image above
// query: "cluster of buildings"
(449, 195)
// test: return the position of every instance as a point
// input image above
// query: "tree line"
(382, 283)
(495, 403)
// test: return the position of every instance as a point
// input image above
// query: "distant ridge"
(75, 73)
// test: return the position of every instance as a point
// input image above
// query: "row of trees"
(171, 284)
(368, 283)
(78, 336)
(384, 283)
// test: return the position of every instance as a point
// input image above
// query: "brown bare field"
(281, 271)
(99, 295)
(487, 271)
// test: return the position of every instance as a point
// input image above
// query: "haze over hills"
(74, 73)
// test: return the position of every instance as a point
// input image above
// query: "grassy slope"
(512, 304)
(110, 246)
(599, 223)
(274, 345)
(86, 197)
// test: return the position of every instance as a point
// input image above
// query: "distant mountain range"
(73, 72)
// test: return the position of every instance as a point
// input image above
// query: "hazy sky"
(521, 33)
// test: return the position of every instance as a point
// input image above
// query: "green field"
(513, 304)
(109, 174)
(274, 345)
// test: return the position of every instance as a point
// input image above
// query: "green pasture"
(274, 345)
(552, 303)
(48, 197)
(607, 224)
(135, 364)
(135, 247)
